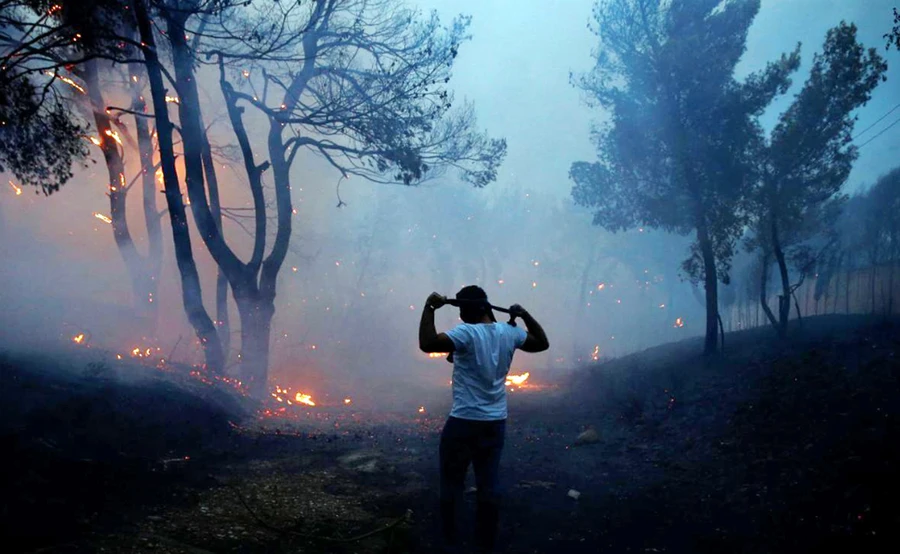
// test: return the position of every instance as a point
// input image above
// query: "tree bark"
(256, 326)
(711, 286)
(149, 191)
(190, 279)
(784, 299)
(847, 267)
(212, 184)
(117, 193)
(764, 293)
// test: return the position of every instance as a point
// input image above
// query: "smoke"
(351, 292)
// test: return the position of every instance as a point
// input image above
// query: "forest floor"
(771, 447)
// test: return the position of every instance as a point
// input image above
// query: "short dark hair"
(476, 307)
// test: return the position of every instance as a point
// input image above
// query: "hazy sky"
(516, 69)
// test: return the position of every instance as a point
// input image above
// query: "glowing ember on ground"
(348, 401)
(78, 339)
(513, 379)
(421, 409)
(601, 286)
(595, 354)
(95, 140)
(438, 354)
(142, 352)
(103, 218)
(16, 189)
(173, 100)
(679, 322)
(304, 399)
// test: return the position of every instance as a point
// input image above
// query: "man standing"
(474, 433)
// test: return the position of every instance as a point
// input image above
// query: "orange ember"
(438, 354)
(304, 399)
(679, 322)
(421, 409)
(67, 81)
(113, 135)
(78, 339)
(16, 189)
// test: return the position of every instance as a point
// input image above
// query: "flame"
(513, 379)
(595, 354)
(78, 339)
(173, 99)
(679, 322)
(113, 135)
(421, 409)
(96, 141)
(438, 354)
(16, 189)
(304, 399)
(348, 401)
(67, 81)
(601, 286)
(103, 218)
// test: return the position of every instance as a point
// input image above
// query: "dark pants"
(480, 443)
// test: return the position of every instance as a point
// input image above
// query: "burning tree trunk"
(190, 279)
(141, 274)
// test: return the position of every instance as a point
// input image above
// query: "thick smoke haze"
(351, 294)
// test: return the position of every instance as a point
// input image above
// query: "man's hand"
(516, 310)
(436, 300)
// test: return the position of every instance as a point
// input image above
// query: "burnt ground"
(771, 447)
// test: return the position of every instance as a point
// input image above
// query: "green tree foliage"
(677, 150)
(41, 135)
(810, 154)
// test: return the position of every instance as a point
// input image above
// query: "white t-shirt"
(483, 353)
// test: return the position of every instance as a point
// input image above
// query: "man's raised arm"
(536, 341)
(429, 339)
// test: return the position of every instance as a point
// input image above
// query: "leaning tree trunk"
(117, 191)
(190, 279)
(153, 260)
(215, 205)
(784, 299)
(710, 344)
(764, 292)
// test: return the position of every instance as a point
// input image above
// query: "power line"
(880, 119)
(879, 133)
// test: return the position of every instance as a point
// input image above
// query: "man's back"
(481, 360)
